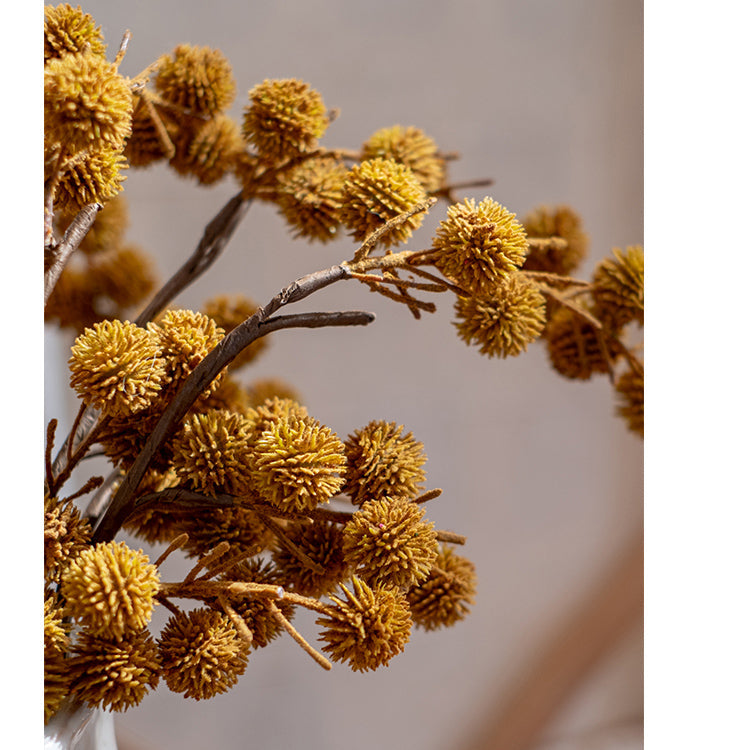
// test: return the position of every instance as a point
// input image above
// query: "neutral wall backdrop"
(545, 98)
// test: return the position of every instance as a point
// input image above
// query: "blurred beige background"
(545, 98)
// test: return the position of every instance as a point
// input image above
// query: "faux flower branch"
(276, 510)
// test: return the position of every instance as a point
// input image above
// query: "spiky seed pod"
(230, 311)
(254, 610)
(561, 221)
(296, 463)
(618, 287)
(155, 524)
(322, 542)
(68, 30)
(109, 588)
(272, 410)
(144, 146)
(389, 542)
(125, 275)
(201, 654)
(57, 683)
(198, 79)
(376, 191)
(108, 229)
(116, 367)
(368, 627)
(573, 346)
(264, 389)
(444, 597)
(72, 302)
(383, 461)
(114, 674)
(310, 197)
(479, 245)
(123, 438)
(56, 640)
(96, 178)
(412, 148)
(65, 535)
(87, 103)
(630, 391)
(506, 322)
(284, 118)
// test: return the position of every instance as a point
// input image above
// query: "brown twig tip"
(175, 544)
(318, 657)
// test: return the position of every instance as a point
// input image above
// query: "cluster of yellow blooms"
(241, 477)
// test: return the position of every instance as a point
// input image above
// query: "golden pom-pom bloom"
(110, 588)
(96, 178)
(573, 346)
(376, 191)
(445, 596)
(213, 450)
(561, 221)
(114, 674)
(201, 653)
(144, 146)
(108, 229)
(68, 30)
(285, 117)
(87, 103)
(297, 463)
(322, 542)
(412, 148)
(504, 323)
(56, 640)
(230, 311)
(198, 79)
(117, 367)
(126, 275)
(618, 287)
(57, 682)
(310, 197)
(264, 389)
(630, 389)
(479, 245)
(274, 409)
(383, 461)
(389, 542)
(65, 535)
(368, 627)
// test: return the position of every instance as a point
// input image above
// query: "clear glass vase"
(76, 727)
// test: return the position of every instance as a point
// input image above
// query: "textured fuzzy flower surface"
(479, 245)
(446, 595)
(297, 463)
(65, 535)
(560, 221)
(376, 191)
(382, 460)
(69, 30)
(201, 653)
(110, 588)
(389, 542)
(198, 79)
(412, 148)
(630, 392)
(618, 287)
(96, 178)
(57, 681)
(229, 311)
(284, 117)
(506, 322)
(114, 674)
(117, 367)
(56, 638)
(87, 103)
(367, 627)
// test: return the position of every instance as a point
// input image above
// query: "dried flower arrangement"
(243, 478)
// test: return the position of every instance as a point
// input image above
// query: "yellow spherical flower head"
(630, 391)
(479, 245)
(201, 654)
(618, 287)
(506, 322)
(116, 367)
(284, 118)
(376, 191)
(412, 148)
(69, 30)
(445, 596)
(274, 409)
(230, 311)
(198, 79)
(561, 221)
(383, 461)
(212, 451)
(125, 275)
(368, 627)
(297, 463)
(56, 640)
(57, 683)
(389, 542)
(110, 588)
(322, 542)
(310, 197)
(114, 674)
(145, 146)
(87, 103)
(96, 178)
(65, 535)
